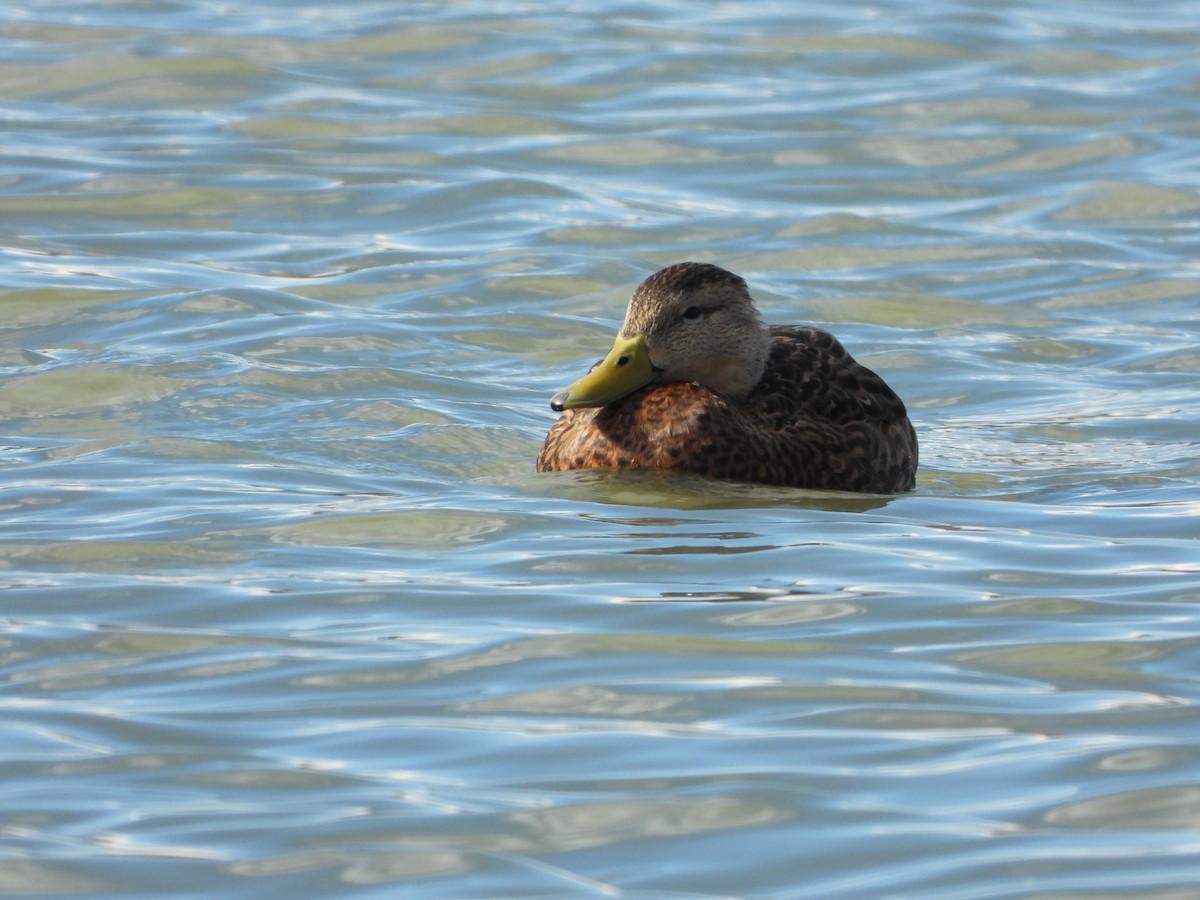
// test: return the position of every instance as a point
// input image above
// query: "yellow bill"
(626, 368)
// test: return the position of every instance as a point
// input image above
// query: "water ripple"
(286, 291)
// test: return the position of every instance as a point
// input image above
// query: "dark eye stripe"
(693, 312)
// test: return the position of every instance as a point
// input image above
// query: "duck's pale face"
(688, 322)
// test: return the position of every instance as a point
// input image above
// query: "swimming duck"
(696, 381)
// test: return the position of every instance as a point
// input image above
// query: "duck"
(697, 382)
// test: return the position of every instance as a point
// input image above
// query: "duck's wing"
(816, 395)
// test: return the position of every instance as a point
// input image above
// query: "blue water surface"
(285, 611)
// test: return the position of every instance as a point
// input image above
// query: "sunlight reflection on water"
(287, 290)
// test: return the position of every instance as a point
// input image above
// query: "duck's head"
(687, 322)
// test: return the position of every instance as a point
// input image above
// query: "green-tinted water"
(285, 608)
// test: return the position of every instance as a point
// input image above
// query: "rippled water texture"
(286, 611)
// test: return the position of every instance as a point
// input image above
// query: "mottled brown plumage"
(814, 418)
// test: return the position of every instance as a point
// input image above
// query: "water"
(286, 611)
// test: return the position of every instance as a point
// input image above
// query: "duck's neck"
(736, 372)
(754, 363)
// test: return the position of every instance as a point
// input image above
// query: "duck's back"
(816, 419)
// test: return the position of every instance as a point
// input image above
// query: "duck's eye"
(692, 312)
